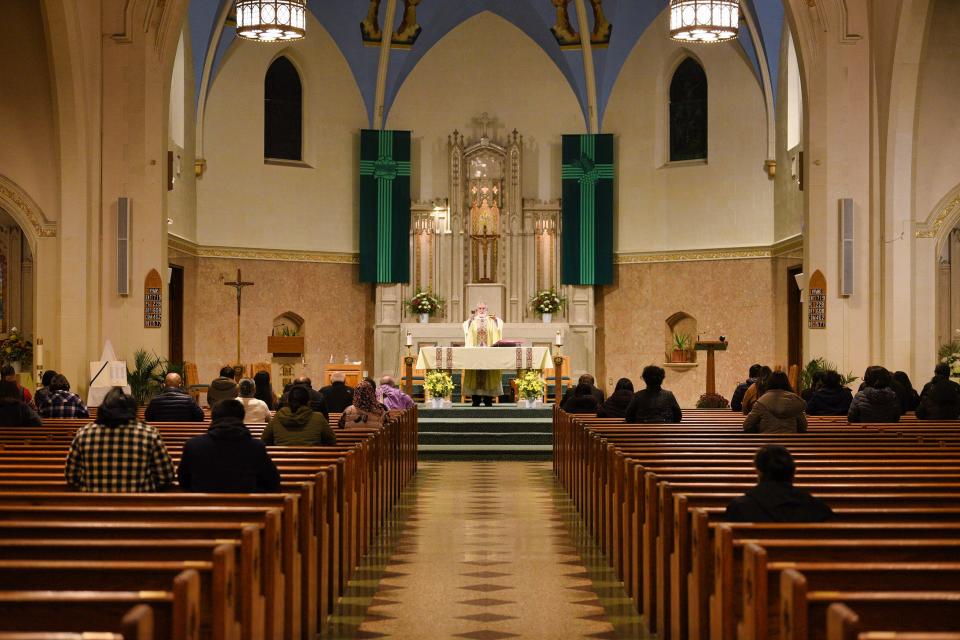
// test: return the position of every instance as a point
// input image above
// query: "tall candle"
(409, 339)
(558, 340)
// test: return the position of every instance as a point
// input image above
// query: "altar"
(480, 240)
(485, 358)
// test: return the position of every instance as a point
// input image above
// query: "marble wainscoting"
(734, 298)
(336, 308)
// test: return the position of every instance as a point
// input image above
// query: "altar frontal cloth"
(587, 209)
(485, 358)
(384, 206)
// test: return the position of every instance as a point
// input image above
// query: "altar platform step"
(501, 431)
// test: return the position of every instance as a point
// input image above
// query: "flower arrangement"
(438, 384)
(712, 401)
(950, 354)
(16, 348)
(425, 302)
(548, 301)
(530, 385)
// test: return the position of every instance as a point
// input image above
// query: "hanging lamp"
(704, 20)
(272, 20)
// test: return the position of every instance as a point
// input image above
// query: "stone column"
(953, 293)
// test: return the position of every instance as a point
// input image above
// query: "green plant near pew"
(822, 365)
(147, 375)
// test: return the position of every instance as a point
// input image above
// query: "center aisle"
(485, 550)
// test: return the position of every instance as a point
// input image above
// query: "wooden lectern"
(352, 372)
(711, 346)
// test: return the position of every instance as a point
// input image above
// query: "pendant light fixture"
(272, 20)
(704, 20)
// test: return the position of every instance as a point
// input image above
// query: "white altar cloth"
(485, 358)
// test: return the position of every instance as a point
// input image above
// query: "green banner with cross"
(384, 206)
(587, 209)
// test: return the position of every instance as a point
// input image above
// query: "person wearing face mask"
(482, 330)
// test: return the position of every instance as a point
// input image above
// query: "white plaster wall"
(937, 161)
(788, 199)
(514, 81)
(728, 201)
(243, 202)
(28, 151)
(182, 200)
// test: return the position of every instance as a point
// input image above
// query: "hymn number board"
(817, 301)
(152, 300)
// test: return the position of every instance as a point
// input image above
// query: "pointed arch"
(688, 111)
(283, 111)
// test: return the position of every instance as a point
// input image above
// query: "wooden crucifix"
(238, 284)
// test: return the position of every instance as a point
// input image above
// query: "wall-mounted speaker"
(123, 246)
(846, 246)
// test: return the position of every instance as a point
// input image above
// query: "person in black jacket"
(317, 403)
(586, 379)
(831, 399)
(14, 412)
(876, 401)
(582, 401)
(774, 498)
(173, 404)
(265, 390)
(654, 404)
(44, 391)
(909, 398)
(227, 459)
(616, 405)
(736, 401)
(940, 399)
(337, 394)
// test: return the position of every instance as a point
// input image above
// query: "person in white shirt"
(256, 411)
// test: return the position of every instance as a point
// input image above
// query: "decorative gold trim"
(24, 205)
(693, 256)
(243, 253)
(932, 228)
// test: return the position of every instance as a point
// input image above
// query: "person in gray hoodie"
(223, 388)
(297, 424)
(876, 401)
(779, 410)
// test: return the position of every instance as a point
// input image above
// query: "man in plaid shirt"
(60, 402)
(117, 453)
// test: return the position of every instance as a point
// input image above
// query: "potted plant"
(285, 340)
(950, 354)
(712, 401)
(546, 303)
(681, 348)
(530, 387)
(439, 386)
(16, 350)
(822, 365)
(424, 304)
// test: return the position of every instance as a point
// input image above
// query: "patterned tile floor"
(485, 551)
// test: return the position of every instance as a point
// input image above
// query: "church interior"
(386, 190)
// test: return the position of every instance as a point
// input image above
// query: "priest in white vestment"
(482, 330)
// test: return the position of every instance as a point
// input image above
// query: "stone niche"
(287, 346)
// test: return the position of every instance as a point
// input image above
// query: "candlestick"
(409, 339)
(558, 340)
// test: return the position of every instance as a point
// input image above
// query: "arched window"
(688, 112)
(283, 112)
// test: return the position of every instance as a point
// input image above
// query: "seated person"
(365, 410)
(256, 411)
(583, 400)
(774, 498)
(265, 389)
(831, 399)
(736, 401)
(227, 459)
(909, 398)
(654, 405)
(117, 452)
(779, 410)
(45, 386)
(876, 401)
(586, 379)
(317, 403)
(14, 412)
(173, 404)
(755, 390)
(941, 397)
(8, 374)
(297, 424)
(391, 396)
(224, 387)
(337, 394)
(61, 402)
(616, 405)
(816, 381)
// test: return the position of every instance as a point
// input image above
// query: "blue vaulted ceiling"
(341, 19)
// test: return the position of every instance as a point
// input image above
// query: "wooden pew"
(175, 612)
(845, 624)
(804, 611)
(137, 624)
